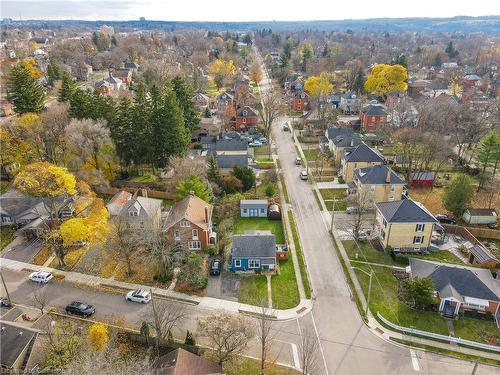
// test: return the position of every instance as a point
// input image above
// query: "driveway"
(226, 286)
(23, 250)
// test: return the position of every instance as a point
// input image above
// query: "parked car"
(255, 143)
(363, 235)
(5, 303)
(138, 295)
(41, 277)
(262, 140)
(298, 161)
(215, 267)
(286, 128)
(354, 210)
(80, 308)
(303, 175)
(445, 219)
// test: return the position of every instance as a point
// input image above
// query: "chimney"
(352, 142)
(145, 193)
(388, 177)
(206, 214)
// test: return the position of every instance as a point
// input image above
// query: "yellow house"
(361, 156)
(339, 139)
(376, 184)
(405, 225)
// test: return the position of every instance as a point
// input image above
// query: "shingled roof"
(254, 244)
(362, 152)
(190, 208)
(377, 175)
(405, 211)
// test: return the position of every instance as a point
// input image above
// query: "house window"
(6, 219)
(393, 188)
(195, 234)
(245, 113)
(420, 228)
(418, 240)
(185, 223)
(133, 213)
(385, 223)
(372, 188)
(245, 210)
(262, 210)
(254, 263)
(194, 245)
(177, 236)
(244, 120)
(383, 235)
(237, 263)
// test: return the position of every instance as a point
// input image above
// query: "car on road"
(444, 219)
(138, 295)
(5, 303)
(298, 161)
(215, 267)
(80, 308)
(255, 143)
(41, 277)
(354, 210)
(303, 175)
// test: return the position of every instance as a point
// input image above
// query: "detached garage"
(253, 207)
(480, 216)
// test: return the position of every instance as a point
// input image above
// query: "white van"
(41, 277)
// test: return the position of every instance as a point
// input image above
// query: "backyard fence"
(150, 193)
(451, 339)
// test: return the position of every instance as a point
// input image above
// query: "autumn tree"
(164, 252)
(228, 335)
(166, 317)
(308, 352)
(98, 335)
(221, 71)
(52, 136)
(124, 241)
(24, 91)
(270, 109)
(384, 79)
(318, 88)
(256, 72)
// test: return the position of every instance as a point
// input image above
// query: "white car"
(303, 175)
(41, 277)
(139, 295)
(255, 143)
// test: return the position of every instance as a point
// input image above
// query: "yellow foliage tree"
(256, 72)
(221, 70)
(384, 79)
(98, 335)
(318, 86)
(74, 230)
(15, 149)
(31, 66)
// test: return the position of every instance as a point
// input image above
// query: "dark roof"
(333, 132)
(258, 244)
(377, 175)
(405, 211)
(231, 145)
(481, 254)
(250, 111)
(207, 140)
(374, 110)
(182, 362)
(231, 161)
(350, 95)
(482, 212)
(14, 341)
(347, 140)
(467, 282)
(131, 65)
(422, 176)
(362, 152)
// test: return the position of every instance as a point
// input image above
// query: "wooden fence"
(471, 233)
(150, 193)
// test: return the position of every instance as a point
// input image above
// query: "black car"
(444, 219)
(215, 267)
(80, 308)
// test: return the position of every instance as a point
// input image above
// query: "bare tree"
(270, 109)
(228, 335)
(308, 352)
(166, 317)
(40, 298)
(124, 241)
(265, 332)
(360, 219)
(164, 252)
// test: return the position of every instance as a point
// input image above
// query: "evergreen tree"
(24, 91)
(246, 176)
(184, 97)
(459, 195)
(78, 104)
(67, 89)
(141, 126)
(177, 135)
(451, 51)
(122, 132)
(359, 82)
(488, 156)
(53, 73)
(213, 173)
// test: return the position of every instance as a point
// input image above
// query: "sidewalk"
(203, 302)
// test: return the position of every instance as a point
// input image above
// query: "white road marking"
(414, 360)
(296, 359)
(320, 346)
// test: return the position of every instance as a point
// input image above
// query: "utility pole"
(370, 275)
(476, 365)
(5, 287)
(333, 214)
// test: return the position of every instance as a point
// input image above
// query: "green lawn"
(308, 139)
(477, 330)
(248, 366)
(284, 287)
(311, 154)
(242, 224)
(7, 236)
(144, 178)
(285, 191)
(4, 186)
(253, 290)
(300, 255)
(261, 150)
(338, 194)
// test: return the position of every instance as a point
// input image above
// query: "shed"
(274, 212)
(480, 216)
(253, 208)
(422, 178)
(482, 257)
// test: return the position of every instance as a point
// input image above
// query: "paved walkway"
(330, 185)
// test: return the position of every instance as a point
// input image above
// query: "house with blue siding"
(253, 251)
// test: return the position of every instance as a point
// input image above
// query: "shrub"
(341, 180)
(246, 176)
(232, 184)
(270, 190)
(192, 272)
(98, 335)
(212, 250)
(197, 146)
(189, 339)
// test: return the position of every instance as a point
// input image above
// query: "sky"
(243, 10)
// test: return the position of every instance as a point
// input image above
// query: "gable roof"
(225, 95)
(454, 280)
(190, 208)
(333, 131)
(182, 362)
(115, 205)
(422, 176)
(18, 205)
(231, 145)
(14, 342)
(377, 175)
(250, 111)
(362, 152)
(254, 244)
(374, 110)
(231, 161)
(147, 207)
(405, 211)
(253, 202)
(480, 253)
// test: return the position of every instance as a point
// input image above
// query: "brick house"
(224, 101)
(125, 75)
(189, 223)
(246, 117)
(373, 116)
(299, 101)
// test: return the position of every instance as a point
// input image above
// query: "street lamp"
(370, 274)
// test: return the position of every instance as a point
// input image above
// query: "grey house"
(253, 208)
(253, 251)
(480, 216)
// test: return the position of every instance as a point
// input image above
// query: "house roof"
(14, 342)
(350, 95)
(182, 362)
(17, 205)
(115, 205)
(231, 161)
(481, 254)
(482, 212)
(253, 202)
(347, 140)
(254, 244)
(147, 207)
(231, 145)
(377, 175)
(405, 211)
(333, 131)
(225, 95)
(362, 152)
(472, 77)
(250, 111)
(202, 96)
(190, 208)
(374, 110)
(458, 281)
(131, 65)
(422, 176)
